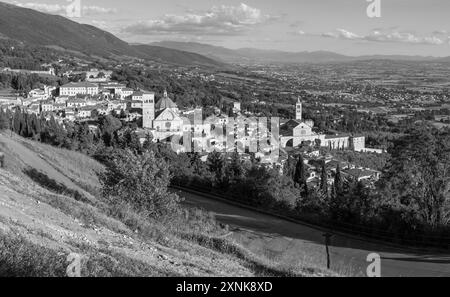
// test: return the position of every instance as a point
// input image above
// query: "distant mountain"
(255, 55)
(38, 28)
(444, 60)
(214, 52)
(291, 57)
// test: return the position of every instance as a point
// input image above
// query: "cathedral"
(299, 131)
(162, 118)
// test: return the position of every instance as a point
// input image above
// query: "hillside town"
(162, 120)
(224, 139)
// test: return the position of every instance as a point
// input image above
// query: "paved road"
(290, 242)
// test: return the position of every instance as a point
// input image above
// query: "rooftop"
(165, 102)
(79, 85)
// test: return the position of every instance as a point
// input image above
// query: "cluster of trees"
(415, 189)
(33, 126)
(15, 55)
(411, 201)
(72, 135)
(24, 83)
(184, 91)
(366, 160)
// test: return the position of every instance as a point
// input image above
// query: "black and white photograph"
(224, 147)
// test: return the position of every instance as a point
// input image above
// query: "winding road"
(296, 244)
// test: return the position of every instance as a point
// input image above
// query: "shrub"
(140, 181)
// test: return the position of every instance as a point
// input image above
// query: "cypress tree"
(324, 180)
(300, 176)
(338, 184)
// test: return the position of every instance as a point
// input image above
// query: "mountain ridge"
(38, 28)
(260, 55)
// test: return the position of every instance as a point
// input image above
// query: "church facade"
(298, 131)
(161, 118)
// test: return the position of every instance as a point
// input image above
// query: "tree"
(140, 181)
(300, 178)
(416, 182)
(109, 126)
(216, 165)
(324, 180)
(17, 121)
(129, 139)
(4, 120)
(289, 167)
(85, 139)
(148, 142)
(338, 183)
(235, 167)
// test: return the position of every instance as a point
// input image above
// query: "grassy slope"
(39, 228)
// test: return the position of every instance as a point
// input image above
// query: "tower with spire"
(298, 110)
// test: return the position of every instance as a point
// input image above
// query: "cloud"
(95, 10)
(43, 7)
(219, 20)
(61, 9)
(380, 35)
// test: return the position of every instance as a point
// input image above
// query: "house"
(84, 112)
(47, 106)
(61, 99)
(142, 95)
(112, 88)
(136, 104)
(126, 92)
(95, 75)
(360, 174)
(78, 88)
(76, 103)
(70, 114)
(34, 109)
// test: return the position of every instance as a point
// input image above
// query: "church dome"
(165, 102)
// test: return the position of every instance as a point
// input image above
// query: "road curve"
(291, 242)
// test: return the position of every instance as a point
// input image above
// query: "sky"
(405, 27)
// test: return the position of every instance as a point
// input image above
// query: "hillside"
(40, 227)
(165, 55)
(38, 28)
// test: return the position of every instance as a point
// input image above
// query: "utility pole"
(327, 244)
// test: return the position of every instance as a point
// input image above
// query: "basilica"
(299, 131)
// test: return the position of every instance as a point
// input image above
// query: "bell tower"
(298, 110)
(148, 111)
